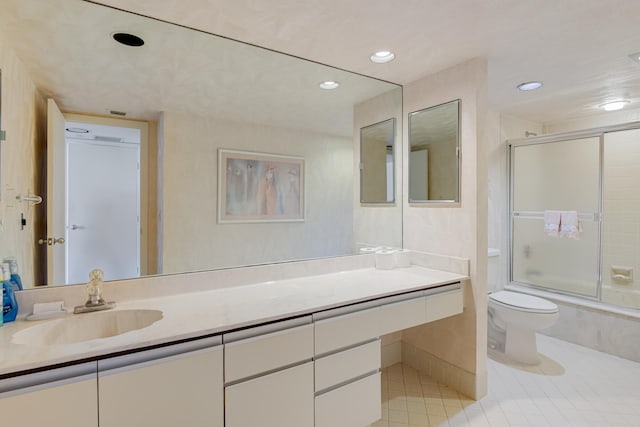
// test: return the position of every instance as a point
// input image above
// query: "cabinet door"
(65, 397)
(281, 399)
(151, 388)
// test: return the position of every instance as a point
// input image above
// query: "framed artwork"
(259, 187)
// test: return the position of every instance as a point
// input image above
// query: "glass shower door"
(556, 176)
(621, 219)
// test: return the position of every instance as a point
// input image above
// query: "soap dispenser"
(9, 303)
(15, 276)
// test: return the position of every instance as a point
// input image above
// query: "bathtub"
(588, 322)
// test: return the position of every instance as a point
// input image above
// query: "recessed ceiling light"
(77, 130)
(382, 56)
(635, 57)
(614, 105)
(329, 84)
(128, 39)
(529, 86)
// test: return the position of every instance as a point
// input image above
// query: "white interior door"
(56, 195)
(103, 210)
(418, 175)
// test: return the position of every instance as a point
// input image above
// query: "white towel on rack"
(570, 225)
(552, 223)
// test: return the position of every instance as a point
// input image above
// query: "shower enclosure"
(595, 173)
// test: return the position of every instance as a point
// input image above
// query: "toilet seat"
(523, 302)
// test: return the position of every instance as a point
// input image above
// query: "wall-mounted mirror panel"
(192, 94)
(377, 160)
(1, 133)
(434, 140)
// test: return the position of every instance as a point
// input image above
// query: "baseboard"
(467, 383)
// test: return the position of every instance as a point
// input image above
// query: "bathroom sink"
(86, 327)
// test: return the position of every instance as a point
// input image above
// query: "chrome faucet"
(95, 302)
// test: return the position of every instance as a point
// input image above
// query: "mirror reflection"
(377, 162)
(433, 154)
(191, 94)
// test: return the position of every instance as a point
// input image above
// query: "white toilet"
(521, 315)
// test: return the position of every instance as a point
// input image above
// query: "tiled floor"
(573, 386)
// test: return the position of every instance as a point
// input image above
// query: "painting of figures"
(257, 187)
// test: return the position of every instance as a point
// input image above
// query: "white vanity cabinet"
(269, 375)
(177, 385)
(57, 397)
(347, 350)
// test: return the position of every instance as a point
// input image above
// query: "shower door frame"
(598, 132)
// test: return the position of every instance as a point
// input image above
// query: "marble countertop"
(196, 314)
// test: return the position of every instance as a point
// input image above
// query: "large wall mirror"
(180, 97)
(434, 154)
(377, 159)
(2, 136)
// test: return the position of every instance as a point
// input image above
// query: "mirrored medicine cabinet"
(377, 162)
(434, 147)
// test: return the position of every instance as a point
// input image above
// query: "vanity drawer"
(346, 365)
(280, 399)
(354, 404)
(346, 330)
(267, 351)
(444, 305)
(401, 315)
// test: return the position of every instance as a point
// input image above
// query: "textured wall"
(191, 237)
(23, 113)
(378, 224)
(456, 230)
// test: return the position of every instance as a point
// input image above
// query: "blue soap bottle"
(15, 276)
(9, 303)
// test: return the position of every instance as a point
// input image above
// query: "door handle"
(50, 241)
(76, 227)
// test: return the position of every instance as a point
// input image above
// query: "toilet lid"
(524, 301)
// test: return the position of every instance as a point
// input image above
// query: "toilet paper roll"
(402, 258)
(369, 250)
(385, 259)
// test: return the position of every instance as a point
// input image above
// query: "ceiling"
(67, 49)
(578, 48)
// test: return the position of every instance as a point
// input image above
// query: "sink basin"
(86, 327)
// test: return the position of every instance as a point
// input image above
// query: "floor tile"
(572, 386)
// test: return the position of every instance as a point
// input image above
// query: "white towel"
(570, 225)
(552, 223)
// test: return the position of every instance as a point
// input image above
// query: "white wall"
(459, 230)
(379, 225)
(23, 113)
(191, 237)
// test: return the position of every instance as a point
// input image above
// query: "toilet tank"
(496, 272)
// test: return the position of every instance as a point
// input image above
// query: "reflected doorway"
(103, 201)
